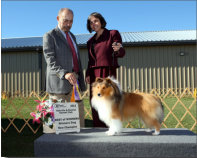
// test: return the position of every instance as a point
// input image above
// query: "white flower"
(38, 115)
(49, 102)
(50, 122)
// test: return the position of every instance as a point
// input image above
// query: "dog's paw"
(148, 130)
(107, 132)
(156, 133)
(110, 133)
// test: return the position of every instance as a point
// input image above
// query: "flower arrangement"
(44, 112)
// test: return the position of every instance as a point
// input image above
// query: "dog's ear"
(114, 85)
(109, 81)
(98, 79)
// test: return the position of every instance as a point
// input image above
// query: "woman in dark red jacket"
(104, 48)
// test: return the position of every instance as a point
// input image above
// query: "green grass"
(21, 145)
(179, 111)
(21, 107)
(12, 106)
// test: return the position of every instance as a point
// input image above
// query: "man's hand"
(71, 78)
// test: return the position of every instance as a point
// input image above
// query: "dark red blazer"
(104, 51)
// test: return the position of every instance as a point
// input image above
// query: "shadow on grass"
(14, 144)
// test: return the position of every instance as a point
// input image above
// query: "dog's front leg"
(115, 127)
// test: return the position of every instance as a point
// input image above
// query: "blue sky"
(34, 18)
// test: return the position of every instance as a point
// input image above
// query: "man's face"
(65, 20)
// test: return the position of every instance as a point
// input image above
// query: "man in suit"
(63, 61)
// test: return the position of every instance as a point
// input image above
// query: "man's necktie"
(74, 54)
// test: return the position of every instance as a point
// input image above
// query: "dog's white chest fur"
(103, 107)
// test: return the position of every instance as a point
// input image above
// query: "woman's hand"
(88, 79)
(116, 46)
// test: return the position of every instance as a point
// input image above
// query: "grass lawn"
(21, 144)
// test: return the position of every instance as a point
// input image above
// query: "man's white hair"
(65, 9)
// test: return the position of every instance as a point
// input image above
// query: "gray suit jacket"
(58, 57)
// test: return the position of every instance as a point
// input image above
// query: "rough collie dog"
(115, 106)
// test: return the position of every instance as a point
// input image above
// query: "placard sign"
(66, 117)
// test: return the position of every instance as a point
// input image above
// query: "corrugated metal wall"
(20, 72)
(161, 67)
(143, 68)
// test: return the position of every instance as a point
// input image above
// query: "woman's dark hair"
(100, 17)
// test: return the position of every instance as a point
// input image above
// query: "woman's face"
(95, 24)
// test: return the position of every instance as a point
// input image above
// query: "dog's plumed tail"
(161, 117)
(159, 110)
(155, 107)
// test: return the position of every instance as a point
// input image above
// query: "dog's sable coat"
(115, 106)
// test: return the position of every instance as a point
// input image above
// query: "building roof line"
(127, 37)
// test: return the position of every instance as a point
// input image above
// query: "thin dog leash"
(113, 55)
